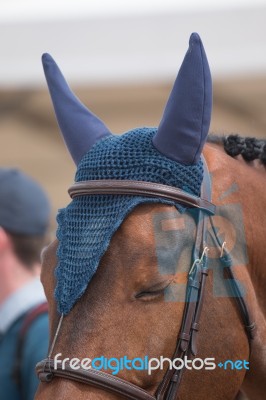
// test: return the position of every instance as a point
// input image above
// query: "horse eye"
(153, 291)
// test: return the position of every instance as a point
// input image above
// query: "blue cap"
(24, 207)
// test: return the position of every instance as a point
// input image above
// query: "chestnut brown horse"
(135, 303)
(110, 319)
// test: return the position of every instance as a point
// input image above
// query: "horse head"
(116, 277)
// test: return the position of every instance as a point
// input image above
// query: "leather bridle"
(187, 338)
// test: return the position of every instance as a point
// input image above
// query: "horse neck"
(240, 186)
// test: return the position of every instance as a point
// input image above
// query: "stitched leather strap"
(186, 343)
(46, 371)
(141, 188)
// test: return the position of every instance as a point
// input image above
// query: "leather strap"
(46, 372)
(249, 325)
(140, 188)
(227, 262)
(186, 342)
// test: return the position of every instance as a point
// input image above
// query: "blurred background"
(121, 58)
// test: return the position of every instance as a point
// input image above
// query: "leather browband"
(46, 372)
(141, 188)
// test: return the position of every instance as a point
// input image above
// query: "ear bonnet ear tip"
(194, 38)
(184, 126)
(47, 58)
(79, 126)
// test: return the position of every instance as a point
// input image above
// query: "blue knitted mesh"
(87, 224)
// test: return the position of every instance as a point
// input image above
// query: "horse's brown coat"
(109, 320)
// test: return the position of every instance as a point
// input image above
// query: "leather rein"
(187, 338)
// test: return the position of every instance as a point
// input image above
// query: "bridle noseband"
(187, 338)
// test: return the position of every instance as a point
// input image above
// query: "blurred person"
(24, 219)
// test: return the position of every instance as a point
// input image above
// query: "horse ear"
(80, 127)
(186, 120)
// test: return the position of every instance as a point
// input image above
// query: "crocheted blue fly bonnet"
(169, 154)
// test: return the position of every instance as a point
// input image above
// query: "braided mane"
(249, 148)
